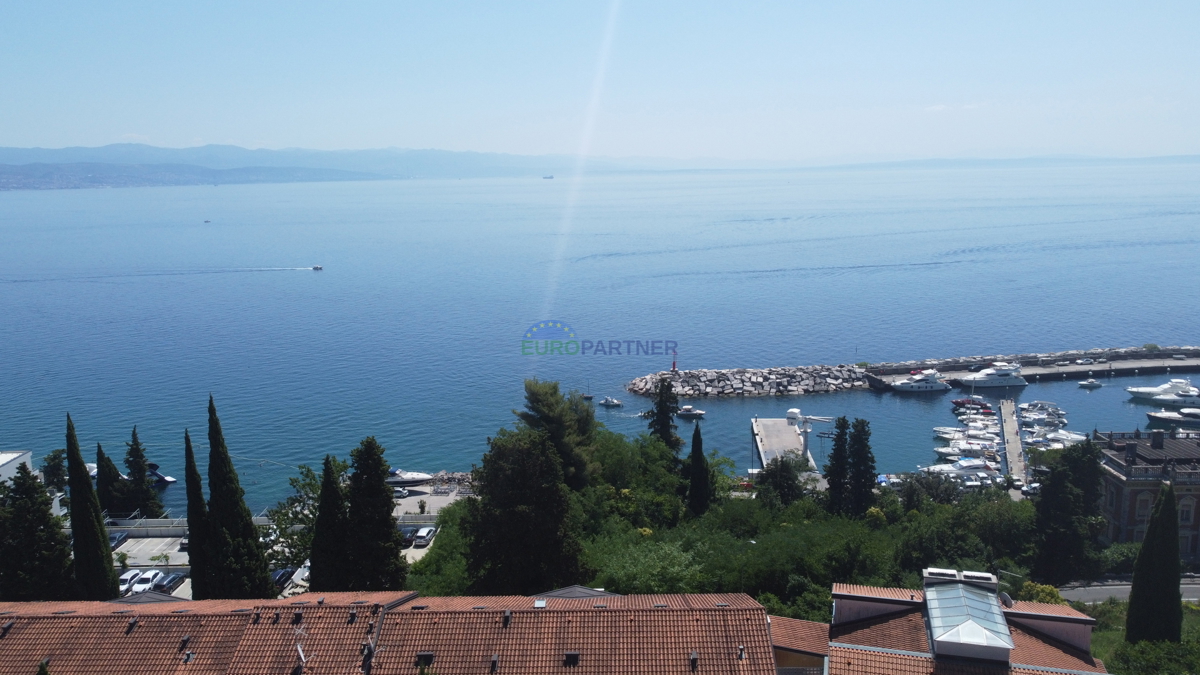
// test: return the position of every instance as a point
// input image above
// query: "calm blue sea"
(126, 307)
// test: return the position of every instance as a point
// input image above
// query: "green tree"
(95, 576)
(54, 470)
(238, 564)
(662, 415)
(1155, 613)
(294, 520)
(779, 483)
(1068, 518)
(141, 493)
(861, 492)
(197, 516)
(1153, 658)
(700, 488)
(520, 538)
(837, 469)
(44, 667)
(653, 567)
(110, 486)
(329, 568)
(568, 421)
(374, 543)
(35, 554)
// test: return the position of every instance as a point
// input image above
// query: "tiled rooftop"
(515, 602)
(904, 630)
(800, 636)
(1033, 649)
(849, 661)
(906, 594)
(1026, 607)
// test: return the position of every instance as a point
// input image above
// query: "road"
(1120, 590)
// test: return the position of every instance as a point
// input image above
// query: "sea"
(126, 307)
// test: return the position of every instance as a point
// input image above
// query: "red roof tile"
(1025, 607)
(515, 602)
(906, 594)
(1034, 649)
(800, 636)
(330, 636)
(903, 630)
(849, 661)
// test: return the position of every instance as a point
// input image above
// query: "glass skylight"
(963, 614)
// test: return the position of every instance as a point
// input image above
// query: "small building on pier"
(1135, 467)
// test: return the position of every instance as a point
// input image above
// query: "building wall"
(1127, 505)
(785, 658)
(13, 459)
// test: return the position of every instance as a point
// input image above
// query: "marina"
(775, 438)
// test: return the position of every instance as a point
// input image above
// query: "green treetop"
(1068, 517)
(373, 541)
(662, 415)
(700, 482)
(1155, 613)
(837, 469)
(95, 576)
(54, 470)
(35, 554)
(568, 421)
(862, 478)
(328, 568)
(110, 487)
(142, 495)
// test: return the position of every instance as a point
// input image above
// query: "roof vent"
(359, 602)
(185, 611)
(417, 608)
(495, 663)
(6, 627)
(695, 660)
(539, 603)
(275, 619)
(368, 653)
(722, 604)
(257, 617)
(741, 652)
(297, 617)
(375, 608)
(370, 626)
(188, 656)
(353, 616)
(64, 611)
(321, 600)
(507, 617)
(132, 625)
(571, 659)
(424, 659)
(479, 607)
(660, 604)
(184, 642)
(599, 606)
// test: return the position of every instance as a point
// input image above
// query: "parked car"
(424, 536)
(1018, 483)
(399, 493)
(1084, 362)
(183, 543)
(408, 533)
(1031, 489)
(1063, 363)
(168, 583)
(146, 581)
(1101, 360)
(281, 577)
(127, 580)
(977, 367)
(115, 539)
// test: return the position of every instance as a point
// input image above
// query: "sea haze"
(126, 307)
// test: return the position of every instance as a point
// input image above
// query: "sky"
(794, 82)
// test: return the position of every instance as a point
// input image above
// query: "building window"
(1143, 506)
(1187, 507)
(1112, 497)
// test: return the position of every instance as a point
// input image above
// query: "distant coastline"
(94, 175)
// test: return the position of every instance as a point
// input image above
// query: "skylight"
(966, 620)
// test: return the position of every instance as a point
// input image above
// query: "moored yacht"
(687, 412)
(1001, 374)
(1173, 387)
(1188, 417)
(1189, 397)
(610, 402)
(407, 478)
(926, 380)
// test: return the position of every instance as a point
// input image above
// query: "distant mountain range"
(137, 165)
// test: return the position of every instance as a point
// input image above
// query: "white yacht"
(1173, 387)
(407, 478)
(1189, 397)
(1001, 374)
(926, 380)
(1090, 383)
(687, 412)
(1188, 417)
(961, 465)
(610, 402)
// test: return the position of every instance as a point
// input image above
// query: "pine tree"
(238, 567)
(376, 562)
(518, 530)
(837, 469)
(142, 496)
(197, 517)
(54, 470)
(329, 568)
(700, 488)
(662, 416)
(1155, 613)
(862, 469)
(110, 487)
(568, 421)
(1068, 508)
(35, 554)
(95, 576)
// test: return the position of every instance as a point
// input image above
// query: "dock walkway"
(776, 437)
(1010, 435)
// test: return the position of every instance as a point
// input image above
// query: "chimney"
(1130, 449)
(1156, 440)
(1111, 445)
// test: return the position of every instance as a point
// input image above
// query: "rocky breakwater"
(754, 381)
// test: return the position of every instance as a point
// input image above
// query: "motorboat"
(972, 401)
(1189, 397)
(1173, 387)
(1188, 417)
(926, 380)
(687, 412)
(1061, 436)
(1039, 405)
(317, 268)
(1090, 383)
(158, 476)
(1001, 374)
(401, 478)
(610, 402)
(967, 464)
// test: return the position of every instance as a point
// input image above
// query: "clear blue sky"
(785, 81)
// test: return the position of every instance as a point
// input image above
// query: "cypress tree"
(700, 489)
(142, 496)
(862, 469)
(1155, 613)
(197, 516)
(110, 487)
(35, 554)
(375, 563)
(238, 566)
(662, 416)
(95, 576)
(837, 469)
(329, 568)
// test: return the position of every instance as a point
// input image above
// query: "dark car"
(408, 533)
(115, 539)
(281, 577)
(169, 583)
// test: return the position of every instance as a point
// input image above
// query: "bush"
(1118, 558)
(1156, 657)
(1034, 592)
(1151, 347)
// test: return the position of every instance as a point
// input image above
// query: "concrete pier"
(774, 437)
(1051, 373)
(1010, 435)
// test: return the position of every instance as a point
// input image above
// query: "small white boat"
(610, 402)
(687, 412)
(317, 268)
(158, 476)
(1172, 387)
(401, 478)
(1188, 417)
(926, 380)
(1090, 383)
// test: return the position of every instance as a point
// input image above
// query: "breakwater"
(799, 380)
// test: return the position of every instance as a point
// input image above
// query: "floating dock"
(775, 437)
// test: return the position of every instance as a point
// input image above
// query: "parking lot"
(140, 552)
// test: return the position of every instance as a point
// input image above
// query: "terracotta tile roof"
(904, 630)
(608, 641)
(515, 602)
(800, 636)
(107, 608)
(89, 643)
(330, 635)
(906, 594)
(1031, 648)
(1025, 607)
(848, 661)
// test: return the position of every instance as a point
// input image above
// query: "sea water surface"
(131, 306)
